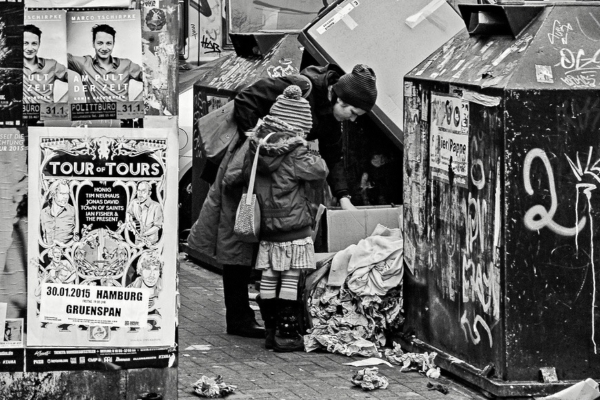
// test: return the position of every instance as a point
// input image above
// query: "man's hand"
(346, 204)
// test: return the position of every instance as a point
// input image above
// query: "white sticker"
(3, 307)
(543, 74)
(340, 15)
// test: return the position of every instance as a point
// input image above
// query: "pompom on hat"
(292, 108)
(358, 88)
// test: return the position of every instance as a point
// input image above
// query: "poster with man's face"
(45, 77)
(102, 243)
(105, 65)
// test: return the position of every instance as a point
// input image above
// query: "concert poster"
(102, 242)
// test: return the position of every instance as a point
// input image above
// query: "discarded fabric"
(212, 387)
(369, 379)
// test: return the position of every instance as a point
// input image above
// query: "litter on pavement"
(421, 362)
(584, 390)
(368, 362)
(213, 387)
(369, 379)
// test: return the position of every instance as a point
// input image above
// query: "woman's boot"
(287, 336)
(268, 311)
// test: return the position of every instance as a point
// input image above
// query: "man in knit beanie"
(357, 88)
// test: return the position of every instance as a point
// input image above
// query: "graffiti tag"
(559, 31)
(538, 217)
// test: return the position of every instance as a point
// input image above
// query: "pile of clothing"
(356, 296)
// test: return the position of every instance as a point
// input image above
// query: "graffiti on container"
(474, 335)
(194, 31)
(580, 81)
(479, 281)
(580, 67)
(560, 32)
(209, 42)
(538, 216)
(573, 116)
(284, 68)
(592, 170)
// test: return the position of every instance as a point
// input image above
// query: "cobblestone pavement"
(205, 349)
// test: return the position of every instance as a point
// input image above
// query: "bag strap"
(305, 79)
(253, 172)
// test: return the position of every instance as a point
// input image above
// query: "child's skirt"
(282, 256)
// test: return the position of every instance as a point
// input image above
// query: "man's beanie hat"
(358, 87)
(293, 109)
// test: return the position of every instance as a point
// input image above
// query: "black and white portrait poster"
(11, 62)
(102, 236)
(45, 77)
(105, 65)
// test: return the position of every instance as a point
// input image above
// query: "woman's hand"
(346, 204)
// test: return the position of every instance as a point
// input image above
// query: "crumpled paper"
(421, 362)
(346, 323)
(584, 390)
(212, 387)
(368, 379)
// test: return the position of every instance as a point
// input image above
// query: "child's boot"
(288, 337)
(268, 311)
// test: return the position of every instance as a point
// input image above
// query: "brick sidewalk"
(205, 349)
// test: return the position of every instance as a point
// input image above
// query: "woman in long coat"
(334, 97)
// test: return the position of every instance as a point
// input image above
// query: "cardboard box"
(343, 228)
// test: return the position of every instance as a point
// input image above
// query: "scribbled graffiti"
(591, 169)
(538, 216)
(580, 81)
(209, 42)
(474, 335)
(480, 274)
(578, 62)
(284, 68)
(560, 32)
(577, 117)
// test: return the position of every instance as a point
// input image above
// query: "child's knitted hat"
(290, 107)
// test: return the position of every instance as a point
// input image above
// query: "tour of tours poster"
(104, 54)
(102, 242)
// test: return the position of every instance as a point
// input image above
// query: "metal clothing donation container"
(502, 198)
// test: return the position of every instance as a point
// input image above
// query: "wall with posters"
(72, 265)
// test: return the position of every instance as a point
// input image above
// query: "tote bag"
(247, 216)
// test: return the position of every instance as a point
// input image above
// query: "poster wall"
(76, 3)
(105, 65)
(11, 62)
(449, 139)
(45, 82)
(102, 237)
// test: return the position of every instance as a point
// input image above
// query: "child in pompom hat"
(287, 216)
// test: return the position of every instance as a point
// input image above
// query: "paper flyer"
(11, 62)
(102, 261)
(105, 65)
(12, 334)
(45, 82)
(449, 139)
